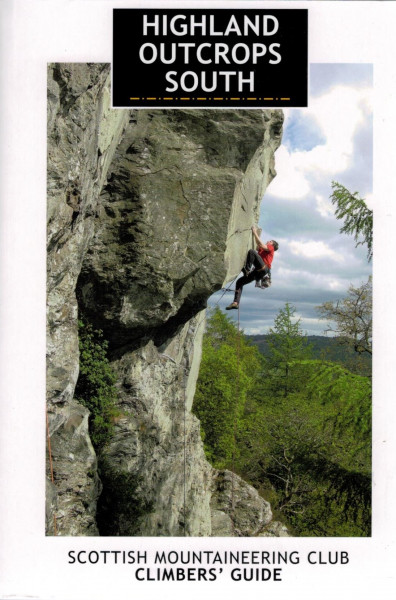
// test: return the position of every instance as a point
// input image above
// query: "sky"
(330, 140)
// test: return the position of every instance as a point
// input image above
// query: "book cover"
(149, 152)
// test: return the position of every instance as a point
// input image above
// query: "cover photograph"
(196, 301)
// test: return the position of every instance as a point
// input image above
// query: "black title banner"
(210, 58)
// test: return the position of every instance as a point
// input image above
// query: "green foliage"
(220, 329)
(229, 369)
(288, 347)
(358, 219)
(306, 451)
(121, 507)
(326, 348)
(312, 448)
(95, 387)
(345, 399)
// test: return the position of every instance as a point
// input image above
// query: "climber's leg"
(253, 259)
(238, 289)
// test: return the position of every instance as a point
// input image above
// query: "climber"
(260, 260)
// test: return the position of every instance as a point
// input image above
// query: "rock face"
(237, 508)
(149, 213)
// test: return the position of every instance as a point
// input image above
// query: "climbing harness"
(264, 282)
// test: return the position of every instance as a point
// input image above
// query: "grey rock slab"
(149, 213)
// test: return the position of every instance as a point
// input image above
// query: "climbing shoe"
(232, 305)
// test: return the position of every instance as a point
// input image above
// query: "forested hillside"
(326, 348)
(296, 427)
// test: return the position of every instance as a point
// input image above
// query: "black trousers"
(253, 259)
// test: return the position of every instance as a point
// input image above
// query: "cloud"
(315, 250)
(291, 181)
(313, 326)
(338, 114)
(324, 206)
(325, 75)
(330, 140)
(253, 330)
(369, 199)
(309, 283)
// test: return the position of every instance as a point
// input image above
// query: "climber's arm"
(258, 241)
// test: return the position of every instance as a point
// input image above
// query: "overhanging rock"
(149, 213)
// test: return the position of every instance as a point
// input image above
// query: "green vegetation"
(95, 387)
(287, 349)
(120, 508)
(358, 218)
(325, 348)
(228, 375)
(296, 428)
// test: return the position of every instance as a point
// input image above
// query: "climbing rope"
(185, 449)
(197, 328)
(226, 289)
(237, 392)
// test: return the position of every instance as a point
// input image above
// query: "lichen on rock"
(149, 213)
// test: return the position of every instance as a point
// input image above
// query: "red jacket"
(267, 255)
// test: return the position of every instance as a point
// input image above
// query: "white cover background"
(33, 33)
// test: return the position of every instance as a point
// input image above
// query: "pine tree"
(288, 347)
(358, 218)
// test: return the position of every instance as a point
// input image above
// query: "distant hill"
(326, 348)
